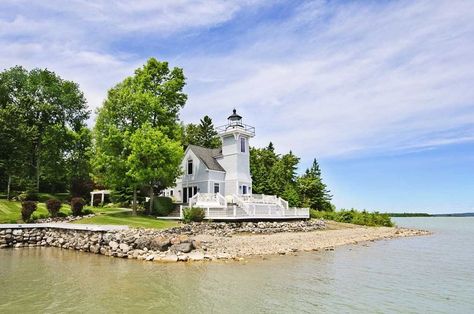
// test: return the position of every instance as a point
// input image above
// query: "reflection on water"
(423, 274)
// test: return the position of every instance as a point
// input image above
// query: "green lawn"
(10, 212)
(124, 217)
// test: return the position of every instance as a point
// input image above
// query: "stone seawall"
(175, 244)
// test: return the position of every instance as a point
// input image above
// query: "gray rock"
(94, 248)
(124, 247)
(183, 247)
(150, 257)
(160, 243)
(17, 232)
(113, 245)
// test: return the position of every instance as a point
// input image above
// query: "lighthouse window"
(242, 144)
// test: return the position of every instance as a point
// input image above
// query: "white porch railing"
(245, 207)
(264, 199)
(208, 200)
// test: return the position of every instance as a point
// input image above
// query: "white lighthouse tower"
(235, 158)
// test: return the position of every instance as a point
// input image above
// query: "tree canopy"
(146, 104)
(276, 174)
(40, 113)
(202, 134)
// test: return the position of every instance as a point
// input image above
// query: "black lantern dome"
(234, 117)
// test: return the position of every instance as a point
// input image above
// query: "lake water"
(430, 274)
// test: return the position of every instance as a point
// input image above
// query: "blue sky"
(381, 92)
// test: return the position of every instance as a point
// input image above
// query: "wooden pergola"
(102, 193)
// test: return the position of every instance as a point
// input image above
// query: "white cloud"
(332, 79)
(352, 79)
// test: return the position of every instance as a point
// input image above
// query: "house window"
(242, 144)
(216, 187)
(190, 166)
(244, 189)
(171, 193)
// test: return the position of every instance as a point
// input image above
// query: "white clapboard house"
(219, 180)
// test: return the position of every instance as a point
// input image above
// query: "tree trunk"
(150, 208)
(8, 186)
(37, 169)
(134, 204)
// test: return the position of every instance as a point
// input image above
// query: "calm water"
(433, 274)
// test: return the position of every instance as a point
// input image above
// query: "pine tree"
(207, 135)
(202, 134)
(313, 191)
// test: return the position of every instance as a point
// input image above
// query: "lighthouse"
(235, 158)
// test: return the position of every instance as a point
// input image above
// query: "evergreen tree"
(202, 134)
(262, 161)
(313, 191)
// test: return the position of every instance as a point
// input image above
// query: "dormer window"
(190, 166)
(242, 144)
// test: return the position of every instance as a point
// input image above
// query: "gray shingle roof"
(208, 156)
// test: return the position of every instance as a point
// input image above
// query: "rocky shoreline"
(201, 241)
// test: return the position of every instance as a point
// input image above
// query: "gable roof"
(208, 156)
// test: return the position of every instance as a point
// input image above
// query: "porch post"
(181, 211)
(92, 199)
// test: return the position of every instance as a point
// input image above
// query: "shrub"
(37, 216)
(28, 196)
(194, 214)
(162, 206)
(87, 212)
(53, 206)
(27, 209)
(77, 204)
(355, 217)
(61, 214)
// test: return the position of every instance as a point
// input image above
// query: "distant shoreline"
(430, 215)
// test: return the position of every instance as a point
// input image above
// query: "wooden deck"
(253, 213)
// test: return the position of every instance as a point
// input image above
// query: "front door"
(189, 192)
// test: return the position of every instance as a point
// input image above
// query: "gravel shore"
(246, 245)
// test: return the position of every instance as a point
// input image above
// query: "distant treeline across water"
(430, 215)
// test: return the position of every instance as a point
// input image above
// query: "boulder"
(124, 247)
(196, 244)
(150, 257)
(94, 249)
(113, 245)
(17, 232)
(142, 242)
(183, 238)
(183, 247)
(160, 243)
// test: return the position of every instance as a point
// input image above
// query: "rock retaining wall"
(171, 245)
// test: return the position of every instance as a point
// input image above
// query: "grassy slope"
(126, 218)
(10, 213)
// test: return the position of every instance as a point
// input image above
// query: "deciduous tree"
(153, 96)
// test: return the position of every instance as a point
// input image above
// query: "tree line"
(135, 146)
